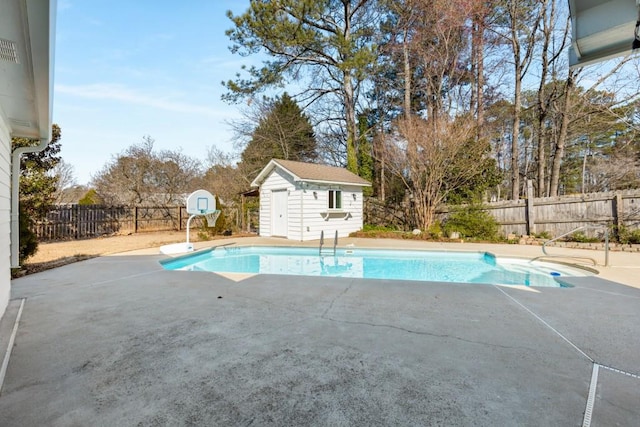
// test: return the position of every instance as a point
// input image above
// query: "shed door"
(279, 206)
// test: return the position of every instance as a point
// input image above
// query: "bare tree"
(551, 50)
(65, 180)
(141, 176)
(435, 158)
(223, 177)
(522, 19)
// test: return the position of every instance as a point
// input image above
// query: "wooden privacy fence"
(80, 222)
(554, 215)
(563, 214)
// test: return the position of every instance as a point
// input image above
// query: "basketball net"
(212, 217)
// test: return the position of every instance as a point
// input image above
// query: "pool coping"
(238, 276)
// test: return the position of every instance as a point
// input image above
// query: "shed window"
(335, 199)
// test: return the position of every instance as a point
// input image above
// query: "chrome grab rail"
(335, 243)
(584, 227)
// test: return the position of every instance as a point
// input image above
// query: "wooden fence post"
(617, 213)
(135, 219)
(75, 211)
(530, 215)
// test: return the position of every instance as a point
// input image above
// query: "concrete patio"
(117, 340)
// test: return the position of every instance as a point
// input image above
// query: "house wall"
(308, 214)
(5, 215)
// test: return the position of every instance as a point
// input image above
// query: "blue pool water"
(461, 267)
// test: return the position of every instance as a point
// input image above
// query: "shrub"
(28, 241)
(377, 231)
(370, 228)
(435, 230)
(472, 221)
(628, 237)
(220, 226)
(580, 237)
(542, 235)
(91, 197)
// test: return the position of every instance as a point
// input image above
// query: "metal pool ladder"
(584, 227)
(326, 250)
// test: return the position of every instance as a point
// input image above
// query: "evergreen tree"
(284, 132)
(37, 187)
(328, 45)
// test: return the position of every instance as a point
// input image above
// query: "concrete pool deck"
(117, 340)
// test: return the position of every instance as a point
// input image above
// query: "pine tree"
(284, 132)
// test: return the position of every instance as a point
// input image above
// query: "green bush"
(219, 228)
(435, 230)
(472, 221)
(542, 235)
(370, 227)
(580, 237)
(91, 197)
(628, 237)
(28, 241)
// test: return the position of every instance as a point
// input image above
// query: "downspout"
(303, 192)
(15, 194)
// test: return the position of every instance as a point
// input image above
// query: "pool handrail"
(335, 243)
(584, 227)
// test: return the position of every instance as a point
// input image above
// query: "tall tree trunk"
(542, 118)
(515, 136)
(477, 63)
(407, 76)
(562, 137)
(548, 26)
(349, 100)
(351, 125)
(522, 39)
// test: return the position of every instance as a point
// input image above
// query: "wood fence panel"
(80, 222)
(553, 215)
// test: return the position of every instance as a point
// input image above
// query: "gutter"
(15, 194)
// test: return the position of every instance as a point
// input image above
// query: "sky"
(126, 69)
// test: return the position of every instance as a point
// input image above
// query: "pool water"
(460, 267)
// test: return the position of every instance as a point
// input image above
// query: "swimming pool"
(460, 267)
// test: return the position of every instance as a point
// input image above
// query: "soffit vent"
(20, 123)
(8, 51)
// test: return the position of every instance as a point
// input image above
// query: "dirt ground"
(56, 254)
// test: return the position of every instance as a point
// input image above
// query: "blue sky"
(125, 69)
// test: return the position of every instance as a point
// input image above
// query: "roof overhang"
(27, 43)
(601, 29)
(264, 173)
(325, 182)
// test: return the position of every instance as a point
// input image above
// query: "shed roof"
(311, 172)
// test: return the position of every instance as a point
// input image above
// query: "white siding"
(277, 180)
(295, 218)
(5, 215)
(318, 217)
(309, 214)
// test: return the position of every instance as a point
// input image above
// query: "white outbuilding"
(300, 200)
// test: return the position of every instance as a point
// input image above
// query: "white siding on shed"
(277, 181)
(318, 216)
(308, 212)
(5, 215)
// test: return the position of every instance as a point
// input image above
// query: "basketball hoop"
(199, 203)
(212, 217)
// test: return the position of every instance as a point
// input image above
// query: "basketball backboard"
(200, 202)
